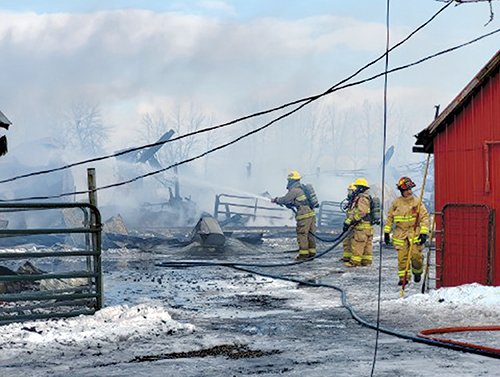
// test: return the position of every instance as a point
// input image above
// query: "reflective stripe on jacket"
(402, 215)
(360, 211)
(296, 198)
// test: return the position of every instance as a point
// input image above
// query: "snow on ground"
(110, 325)
(123, 323)
(154, 314)
(481, 298)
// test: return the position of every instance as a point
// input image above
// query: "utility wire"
(311, 99)
(384, 146)
(330, 90)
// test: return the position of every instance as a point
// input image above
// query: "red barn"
(465, 141)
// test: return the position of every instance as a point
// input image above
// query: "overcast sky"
(228, 59)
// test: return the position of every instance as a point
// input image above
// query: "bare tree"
(84, 129)
(210, 142)
(182, 121)
(337, 140)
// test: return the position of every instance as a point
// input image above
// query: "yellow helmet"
(361, 182)
(352, 186)
(293, 175)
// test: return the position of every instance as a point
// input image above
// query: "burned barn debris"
(239, 210)
(28, 268)
(177, 210)
(4, 123)
(117, 235)
(44, 154)
(208, 233)
(30, 292)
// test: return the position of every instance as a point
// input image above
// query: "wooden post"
(216, 207)
(92, 186)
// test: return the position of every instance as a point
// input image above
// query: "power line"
(384, 146)
(222, 146)
(330, 90)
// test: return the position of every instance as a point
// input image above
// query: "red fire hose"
(427, 335)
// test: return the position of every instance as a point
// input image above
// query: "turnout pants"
(346, 248)
(416, 258)
(305, 239)
(362, 247)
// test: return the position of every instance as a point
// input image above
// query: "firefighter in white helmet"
(304, 215)
(346, 243)
(359, 220)
(411, 225)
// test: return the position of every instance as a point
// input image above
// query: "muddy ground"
(248, 324)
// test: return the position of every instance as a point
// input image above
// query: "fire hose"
(443, 330)
(423, 336)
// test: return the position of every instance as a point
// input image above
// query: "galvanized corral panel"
(467, 245)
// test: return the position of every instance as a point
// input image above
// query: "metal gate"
(52, 281)
(244, 208)
(467, 245)
(330, 215)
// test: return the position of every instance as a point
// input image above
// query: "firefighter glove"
(346, 226)
(387, 238)
(423, 239)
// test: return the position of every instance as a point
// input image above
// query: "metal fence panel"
(52, 282)
(468, 244)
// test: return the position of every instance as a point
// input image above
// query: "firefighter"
(305, 216)
(346, 243)
(410, 226)
(359, 219)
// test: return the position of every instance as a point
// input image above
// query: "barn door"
(468, 245)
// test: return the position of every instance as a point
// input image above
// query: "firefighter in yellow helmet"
(305, 216)
(411, 225)
(359, 220)
(348, 207)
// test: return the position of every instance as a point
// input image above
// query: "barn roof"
(425, 138)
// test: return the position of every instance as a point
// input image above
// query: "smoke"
(135, 62)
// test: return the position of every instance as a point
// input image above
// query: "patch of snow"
(477, 295)
(110, 325)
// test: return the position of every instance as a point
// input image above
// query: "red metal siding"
(460, 166)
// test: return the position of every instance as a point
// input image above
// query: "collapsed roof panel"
(4, 122)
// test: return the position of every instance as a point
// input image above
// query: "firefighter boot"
(354, 262)
(312, 254)
(401, 281)
(302, 255)
(417, 278)
(351, 264)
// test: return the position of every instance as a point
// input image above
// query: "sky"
(209, 62)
